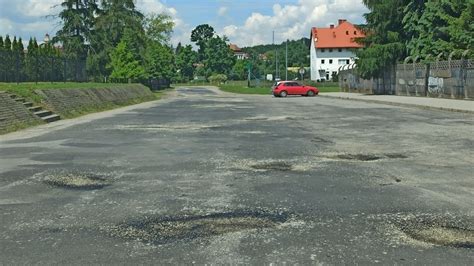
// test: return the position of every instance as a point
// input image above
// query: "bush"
(218, 79)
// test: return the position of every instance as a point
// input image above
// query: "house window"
(323, 61)
(330, 50)
(323, 50)
(348, 62)
(340, 50)
(330, 61)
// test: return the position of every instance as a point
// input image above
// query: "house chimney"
(331, 26)
(342, 21)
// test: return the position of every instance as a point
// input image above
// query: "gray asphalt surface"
(209, 177)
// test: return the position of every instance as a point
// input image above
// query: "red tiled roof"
(235, 48)
(341, 36)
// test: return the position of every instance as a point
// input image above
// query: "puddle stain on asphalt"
(162, 230)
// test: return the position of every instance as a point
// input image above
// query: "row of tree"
(398, 28)
(36, 63)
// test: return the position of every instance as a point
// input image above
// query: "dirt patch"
(162, 230)
(444, 231)
(80, 181)
(275, 166)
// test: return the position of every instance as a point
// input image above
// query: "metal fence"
(20, 67)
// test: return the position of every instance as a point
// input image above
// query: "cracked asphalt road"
(209, 177)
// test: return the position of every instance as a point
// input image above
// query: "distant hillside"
(298, 52)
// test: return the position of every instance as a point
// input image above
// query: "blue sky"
(245, 22)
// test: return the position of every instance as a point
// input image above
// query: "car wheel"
(283, 94)
(310, 93)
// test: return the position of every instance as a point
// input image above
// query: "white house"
(241, 55)
(332, 48)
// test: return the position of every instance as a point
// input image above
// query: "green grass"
(265, 87)
(26, 89)
(245, 90)
(161, 93)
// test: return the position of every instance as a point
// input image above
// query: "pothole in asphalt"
(439, 231)
(159, 230)
(85, 181)
(275, 166)
(396, 156)
(363, 157)
(358, 157)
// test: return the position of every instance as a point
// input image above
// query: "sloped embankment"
(15, 115)
(74, 102)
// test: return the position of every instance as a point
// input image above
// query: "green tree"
(439, 26)
(218, 57)
(158, 27)
(123, 64)
(385, 39)
(116, 17)
(185, 60)
(159, 61)
(77, 18)
(201, 35)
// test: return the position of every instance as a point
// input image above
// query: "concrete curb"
(400, 104)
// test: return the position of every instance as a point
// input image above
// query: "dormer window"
(355, 32)
(347, 32)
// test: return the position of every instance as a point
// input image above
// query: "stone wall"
(14, 115)
(441, 79)
(74, 102)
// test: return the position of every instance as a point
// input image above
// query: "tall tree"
(159, 61)
(77, 18)
(218, 57)
(439, 26)
(123, 65)
(386, 38)
(158, 27)
(115, 17)
(185, 60)
(201, 35)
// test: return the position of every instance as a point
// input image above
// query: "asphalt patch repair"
(76, 180)
(444, 231)
(163, 230)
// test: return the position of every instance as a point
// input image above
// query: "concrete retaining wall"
(73, 102)
(14, 115)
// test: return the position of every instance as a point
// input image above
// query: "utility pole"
(276, 65)
(286, 61)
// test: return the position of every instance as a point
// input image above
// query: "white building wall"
(324, 62)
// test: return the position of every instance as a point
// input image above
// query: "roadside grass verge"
(265, 87)
(160, 94)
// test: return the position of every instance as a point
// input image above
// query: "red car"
(285, 88)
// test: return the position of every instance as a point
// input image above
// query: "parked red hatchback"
(285, 88)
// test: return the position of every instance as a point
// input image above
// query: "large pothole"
(444, 231)
(159, 230)
(76, 180)
(365, 157)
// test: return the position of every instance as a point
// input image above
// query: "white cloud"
(293, 21)
(222, 11)
(181, 30)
